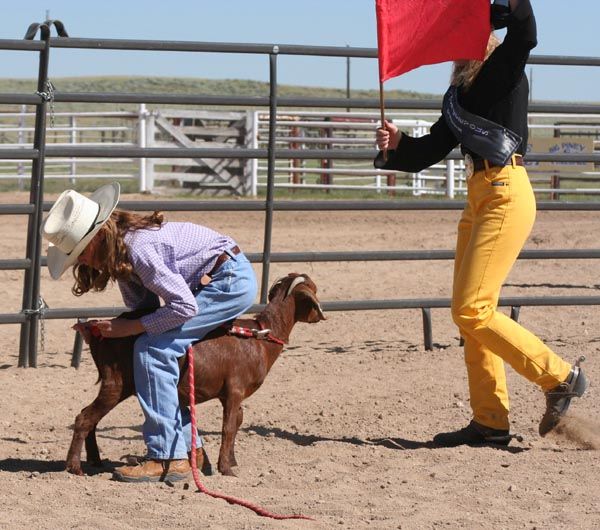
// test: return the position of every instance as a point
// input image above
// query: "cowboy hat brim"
(107, 198)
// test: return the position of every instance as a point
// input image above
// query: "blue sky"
(564, 28)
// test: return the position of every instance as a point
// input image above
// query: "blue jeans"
(166, 427)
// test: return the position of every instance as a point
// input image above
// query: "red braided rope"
(201, 488)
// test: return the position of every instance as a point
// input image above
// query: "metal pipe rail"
(307, 154)
(373, 255)
(263, 101)
(341, 305)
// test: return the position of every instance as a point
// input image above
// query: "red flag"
(411, 33)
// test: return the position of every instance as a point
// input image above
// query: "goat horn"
(296, 281)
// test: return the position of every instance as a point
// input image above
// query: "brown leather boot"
(202, 461)
(154, 471)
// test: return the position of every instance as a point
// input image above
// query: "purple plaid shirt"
(169, 263)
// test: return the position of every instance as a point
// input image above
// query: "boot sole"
(170, 477)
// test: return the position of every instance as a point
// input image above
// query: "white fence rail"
(295, 130)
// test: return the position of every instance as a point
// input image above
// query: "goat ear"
(308, 308)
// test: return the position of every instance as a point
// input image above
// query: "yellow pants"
(497, 220)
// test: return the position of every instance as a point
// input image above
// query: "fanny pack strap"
(489, 140)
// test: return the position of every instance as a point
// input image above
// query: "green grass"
(198, 86)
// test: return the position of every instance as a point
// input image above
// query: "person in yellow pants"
(490, 97)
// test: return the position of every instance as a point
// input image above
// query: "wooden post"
(555, 185)
(382, 109)
(391, 181)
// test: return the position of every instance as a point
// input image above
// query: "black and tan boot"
(473, 434)
(559, 398)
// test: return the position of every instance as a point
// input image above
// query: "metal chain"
(42, 306)
(48, 95)
(41, 311)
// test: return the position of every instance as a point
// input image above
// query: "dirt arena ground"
(341, 429)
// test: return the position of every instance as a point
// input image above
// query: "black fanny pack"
(484, 137)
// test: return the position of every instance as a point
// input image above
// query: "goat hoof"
(228, 472)
(75, 470)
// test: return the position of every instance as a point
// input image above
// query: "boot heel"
(581, 383)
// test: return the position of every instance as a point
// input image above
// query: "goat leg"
(85, 423)
(239, 419)
(231, 406)
(91, 449)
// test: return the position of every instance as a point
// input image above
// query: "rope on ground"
(201, 488)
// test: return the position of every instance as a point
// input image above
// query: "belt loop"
(513, 161)
(231, 252)
(487, 165)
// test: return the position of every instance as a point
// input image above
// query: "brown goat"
(227, 367)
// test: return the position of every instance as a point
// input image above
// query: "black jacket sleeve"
(415, 154)
(505, 67)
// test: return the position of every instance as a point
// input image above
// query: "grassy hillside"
(164, 85)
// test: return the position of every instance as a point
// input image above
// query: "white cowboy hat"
(72, 223)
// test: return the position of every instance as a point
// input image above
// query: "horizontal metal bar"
(17, 209)
(263, 101)
(218, 47)
(570, 253)
(375, 255)
(306, 154)
(21, 44)
(564, 60)
(300, 206)
(167, 99)
(410, 255)
(12, 318)
(152, 152)
(17, 153)
(15, 264)
(421, 104)
(86, 312)
(434, 303)
(19, 99)
(343, 305)
(281, 49)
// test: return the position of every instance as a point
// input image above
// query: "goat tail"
(201, 488)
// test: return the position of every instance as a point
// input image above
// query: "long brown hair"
(465, 72)
(112, 250)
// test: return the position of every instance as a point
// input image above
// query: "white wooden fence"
(295, 130)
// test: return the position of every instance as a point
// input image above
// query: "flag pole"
(382, 109)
